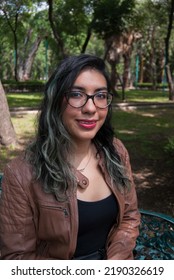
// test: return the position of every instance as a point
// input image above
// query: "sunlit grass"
(24, 99)
(24, 126)
(144, 96)
(144, 132)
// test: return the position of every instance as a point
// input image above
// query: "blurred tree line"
(134, 37)
(129, 34)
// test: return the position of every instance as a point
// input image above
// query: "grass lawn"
(24, 99)
(145, 132)
(24, 126)
(144, 96)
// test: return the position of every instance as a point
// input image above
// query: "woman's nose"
(89, 107)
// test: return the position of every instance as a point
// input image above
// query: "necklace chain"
(82, 169)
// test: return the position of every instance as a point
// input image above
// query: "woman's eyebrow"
(84, 89)
(78, 87)
(101, 88)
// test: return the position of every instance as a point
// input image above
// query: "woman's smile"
(87, 124)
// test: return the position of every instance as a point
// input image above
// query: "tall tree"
(7, 133)
(12, 11)
(56, 32)
(71, 24)
(167, 43)
(18, 14)
(33, 32)
(113, 24)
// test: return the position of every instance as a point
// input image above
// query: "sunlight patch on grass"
(126, 131)
(144, 96)
(24, 124)
(148, 115)
(24, 99)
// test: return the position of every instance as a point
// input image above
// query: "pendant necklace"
(82, 169)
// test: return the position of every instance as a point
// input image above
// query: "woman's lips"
(87, 124)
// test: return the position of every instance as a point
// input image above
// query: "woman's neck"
(82, 148)
(81, 154)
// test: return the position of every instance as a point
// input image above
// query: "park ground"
(145, 137)
(153, 169)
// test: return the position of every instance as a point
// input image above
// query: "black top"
(95, 221)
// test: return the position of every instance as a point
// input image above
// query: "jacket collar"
(82, 180)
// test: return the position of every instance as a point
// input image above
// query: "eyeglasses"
(78, 99)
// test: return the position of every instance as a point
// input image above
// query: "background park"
(136, 40)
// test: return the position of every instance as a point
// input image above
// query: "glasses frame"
(89, 97)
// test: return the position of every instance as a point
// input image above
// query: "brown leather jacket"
(34, 225)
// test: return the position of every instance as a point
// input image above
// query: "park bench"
(156, 239)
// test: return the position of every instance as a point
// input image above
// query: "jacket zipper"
(74, 224)
(64, 210)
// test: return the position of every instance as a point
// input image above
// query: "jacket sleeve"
(17, 228)
(123, 237)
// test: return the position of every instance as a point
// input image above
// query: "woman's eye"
(75, 94)
(101, 95)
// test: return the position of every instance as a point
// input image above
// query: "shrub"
(169, 147)
(24, 86)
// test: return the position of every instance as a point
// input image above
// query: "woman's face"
(83, 123)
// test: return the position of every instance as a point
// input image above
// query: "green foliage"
(13, 82)
(24, 86)
(112, 17)
(73, 20)
(23, 19)
(169, 147)
(150, 85)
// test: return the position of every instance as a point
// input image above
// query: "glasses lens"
(76, 98)
(102, 99)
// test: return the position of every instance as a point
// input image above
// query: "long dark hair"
(49, 152)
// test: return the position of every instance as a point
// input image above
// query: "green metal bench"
(156, 239)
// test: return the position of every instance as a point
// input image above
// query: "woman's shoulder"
(118, 144)
(121, 150)
(18, 167)
(17, 162)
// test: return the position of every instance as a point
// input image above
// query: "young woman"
(71, 195)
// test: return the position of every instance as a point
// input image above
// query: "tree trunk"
(141, 71)
(152, 60)
(112, 56)
(14, 31)
(170, 83)
(88, 36)
(7, 133)
(121, 45)
(126, 72)
(54, 28)
(26, 65)
(15, 56)
(167, 42)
